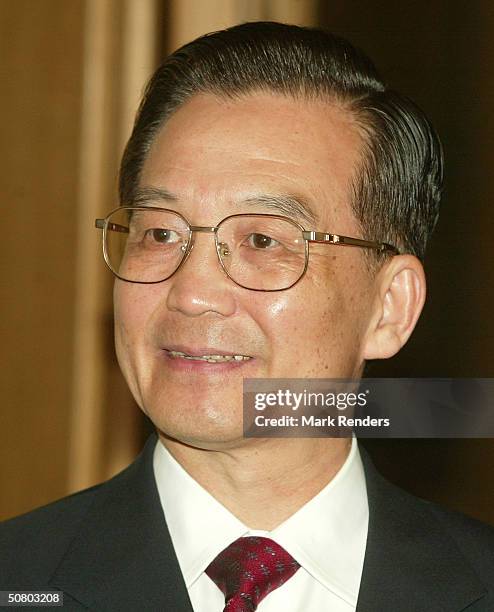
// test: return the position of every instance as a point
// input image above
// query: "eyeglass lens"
(256, 251)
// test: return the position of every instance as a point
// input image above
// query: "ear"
(399, 299)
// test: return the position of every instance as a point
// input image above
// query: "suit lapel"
(411, 563)
(123, 557)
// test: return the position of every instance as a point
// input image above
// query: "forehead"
(213, 153)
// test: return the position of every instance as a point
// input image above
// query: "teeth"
(209, 358)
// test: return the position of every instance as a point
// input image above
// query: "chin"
(198, 424)
(204, 440)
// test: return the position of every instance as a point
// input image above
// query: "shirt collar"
(200, 527)
(327, 536)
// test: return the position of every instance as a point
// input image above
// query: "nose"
(200, 286)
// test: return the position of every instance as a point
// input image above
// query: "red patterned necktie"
(249, 569)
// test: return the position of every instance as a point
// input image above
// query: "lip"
(201, 351)
(187, 365)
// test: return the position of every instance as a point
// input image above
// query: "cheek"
(315, 330)
(132, 313)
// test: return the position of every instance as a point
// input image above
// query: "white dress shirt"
(327, 536)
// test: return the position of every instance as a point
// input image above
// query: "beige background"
(72, 72)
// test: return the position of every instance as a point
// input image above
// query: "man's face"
(213, 155)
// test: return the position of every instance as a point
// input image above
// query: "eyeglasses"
(261, 252)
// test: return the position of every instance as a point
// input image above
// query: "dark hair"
(396, 191)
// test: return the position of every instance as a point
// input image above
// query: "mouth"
(183, 356)
(209, 358)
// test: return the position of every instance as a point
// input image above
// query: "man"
(246, 140)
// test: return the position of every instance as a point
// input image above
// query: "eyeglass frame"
(309, 236)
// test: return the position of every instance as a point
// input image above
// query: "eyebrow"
(286, 204)
(146, 195)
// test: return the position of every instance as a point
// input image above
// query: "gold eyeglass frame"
(307, 235)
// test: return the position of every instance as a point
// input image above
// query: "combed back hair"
(396, 190)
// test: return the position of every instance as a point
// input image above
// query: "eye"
(261, 241)
(162, 236)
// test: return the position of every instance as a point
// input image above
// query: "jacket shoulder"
(32, 544)
(473, 538)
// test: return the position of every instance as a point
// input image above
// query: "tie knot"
(249, 569)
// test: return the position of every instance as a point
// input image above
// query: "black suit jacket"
(108, 549)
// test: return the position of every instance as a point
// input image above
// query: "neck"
(267, 480)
